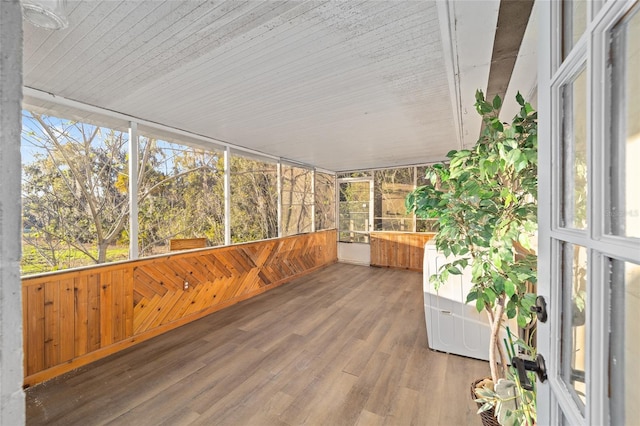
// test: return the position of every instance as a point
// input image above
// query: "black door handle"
(540, 309)
(523, 365)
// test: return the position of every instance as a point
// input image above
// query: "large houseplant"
(484, 201)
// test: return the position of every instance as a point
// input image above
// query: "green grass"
(33, 263)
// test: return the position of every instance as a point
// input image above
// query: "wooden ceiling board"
(292, 52)
(148, 62)
(339, 85)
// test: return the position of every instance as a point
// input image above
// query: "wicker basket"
(488, 417)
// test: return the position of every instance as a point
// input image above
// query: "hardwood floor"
(343, 346)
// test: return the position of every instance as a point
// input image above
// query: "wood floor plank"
(345, 345)
(356, 400)
(404, 408)
(367, 418)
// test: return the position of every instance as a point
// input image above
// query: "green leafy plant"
(516, 406)
(485, 202)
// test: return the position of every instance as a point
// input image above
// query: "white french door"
(589, 211)
(355, 210)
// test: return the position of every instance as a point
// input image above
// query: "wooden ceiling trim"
(512, 24)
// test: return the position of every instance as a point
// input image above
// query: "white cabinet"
(452, 325)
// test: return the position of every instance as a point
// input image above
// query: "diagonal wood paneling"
(167, 289)
(74, 317)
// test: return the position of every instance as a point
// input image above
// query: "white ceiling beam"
(450, 54)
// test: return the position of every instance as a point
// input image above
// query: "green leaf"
(464, 262)
(497, 261)
(497, 125)
(453, 270)
(520, 99)
(497, 102)
(479, 304)
(528, 109)
(509, 288)
(491, 294)
(514, 156)
(483, 107)
(498, 284)
(522, 321)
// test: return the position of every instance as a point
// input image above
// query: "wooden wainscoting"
(75, 317)
(403, 250)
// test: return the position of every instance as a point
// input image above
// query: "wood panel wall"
(403, 250)
(75, 317)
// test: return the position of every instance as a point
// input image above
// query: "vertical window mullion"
(415, 185)
(280, 233)
(227, 196)
(133, 190)
(313, 200)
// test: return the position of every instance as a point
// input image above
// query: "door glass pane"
(574, 155)
(574, 328)
(574, 22)
(624, 280)
(354, 212)
(623, 215)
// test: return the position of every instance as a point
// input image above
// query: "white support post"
(279, 198)
(313, 201)
(336, 186)
(546, 404)
(12, 405)
(227, 196)
(372, 200)
(133, 190)
(415, 185)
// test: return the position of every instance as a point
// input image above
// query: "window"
(424, 225)
(74, 193)
(75, 188)
(574, 212)
(575, 307)
(391, 187)
(180, 195)
(623, 218)
(622, 215)
(375, 200)
(325, 201)
(588, 234)
(574, 23)
(254, 199)
(297, 200)
(348, 175)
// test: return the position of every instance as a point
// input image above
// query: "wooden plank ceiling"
(339, 85)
